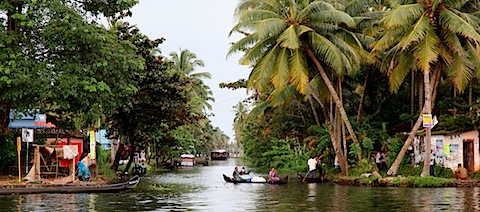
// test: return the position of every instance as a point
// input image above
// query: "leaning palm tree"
(428, 35)
(284, 36)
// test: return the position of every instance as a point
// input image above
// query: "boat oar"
(306, 176)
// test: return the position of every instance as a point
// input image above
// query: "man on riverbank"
(461, 172)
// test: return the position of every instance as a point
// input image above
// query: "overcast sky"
(202, 27)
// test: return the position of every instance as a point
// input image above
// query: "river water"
(203, 189)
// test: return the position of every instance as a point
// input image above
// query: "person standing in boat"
(272, 175)
(312, 166)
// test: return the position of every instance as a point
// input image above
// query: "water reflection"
(203, 189)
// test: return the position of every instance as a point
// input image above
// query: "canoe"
(282, 181)
(73, 188)
(311, 180)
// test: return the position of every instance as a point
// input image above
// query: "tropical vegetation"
(343, 72)
(59, 58)
(340, 79)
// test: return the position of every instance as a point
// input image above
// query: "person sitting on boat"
(272, 175)
(236, 175)
(243, 171)
(312, 166)
(83, 172)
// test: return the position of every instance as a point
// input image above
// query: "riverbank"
(416, 182)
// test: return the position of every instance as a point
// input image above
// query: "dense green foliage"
(8, 150)
(421, 182)
(58, 58)
(385, 94)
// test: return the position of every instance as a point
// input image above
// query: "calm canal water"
(203, 189)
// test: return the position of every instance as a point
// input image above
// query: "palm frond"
(260, 76)
(328, 52)
(333, 16)
(253, 54)
(289, 38)
(404, 15)
(399, 72)
(427, 50)
(417, 32)
(298, 71)
(269, 27)
(281, 70)
(280, 97)
(456, 24)
(460, 72)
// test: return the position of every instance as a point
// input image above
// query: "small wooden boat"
(72, 188)
(310, 179)
(282, 181)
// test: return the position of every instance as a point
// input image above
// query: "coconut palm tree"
(428, 36)
(241, 112)
(187, 63)
(284, 36)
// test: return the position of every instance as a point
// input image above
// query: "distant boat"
(187, 160)
(219, 154)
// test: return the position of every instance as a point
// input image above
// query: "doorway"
(468, 154)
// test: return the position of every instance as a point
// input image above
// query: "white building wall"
(448, 149)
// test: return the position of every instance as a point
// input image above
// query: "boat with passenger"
(256, 180)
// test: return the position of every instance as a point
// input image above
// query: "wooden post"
(37, 162)
(72, 169)
(19, 148)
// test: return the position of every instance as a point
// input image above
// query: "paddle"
(306, 176)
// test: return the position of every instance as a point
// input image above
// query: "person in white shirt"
(378, 161)
(312, 166)
(336, 164)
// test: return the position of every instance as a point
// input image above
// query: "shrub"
(361, 167)
(444, 172)
(8, 150)
(421, 182)
(409, 170)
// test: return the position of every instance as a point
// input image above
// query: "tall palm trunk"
(337, 148)
(362, 98)
(335, 97)
(343, 135)
(428, 110)
(420, 96)
(412, 95)
(396, 164)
